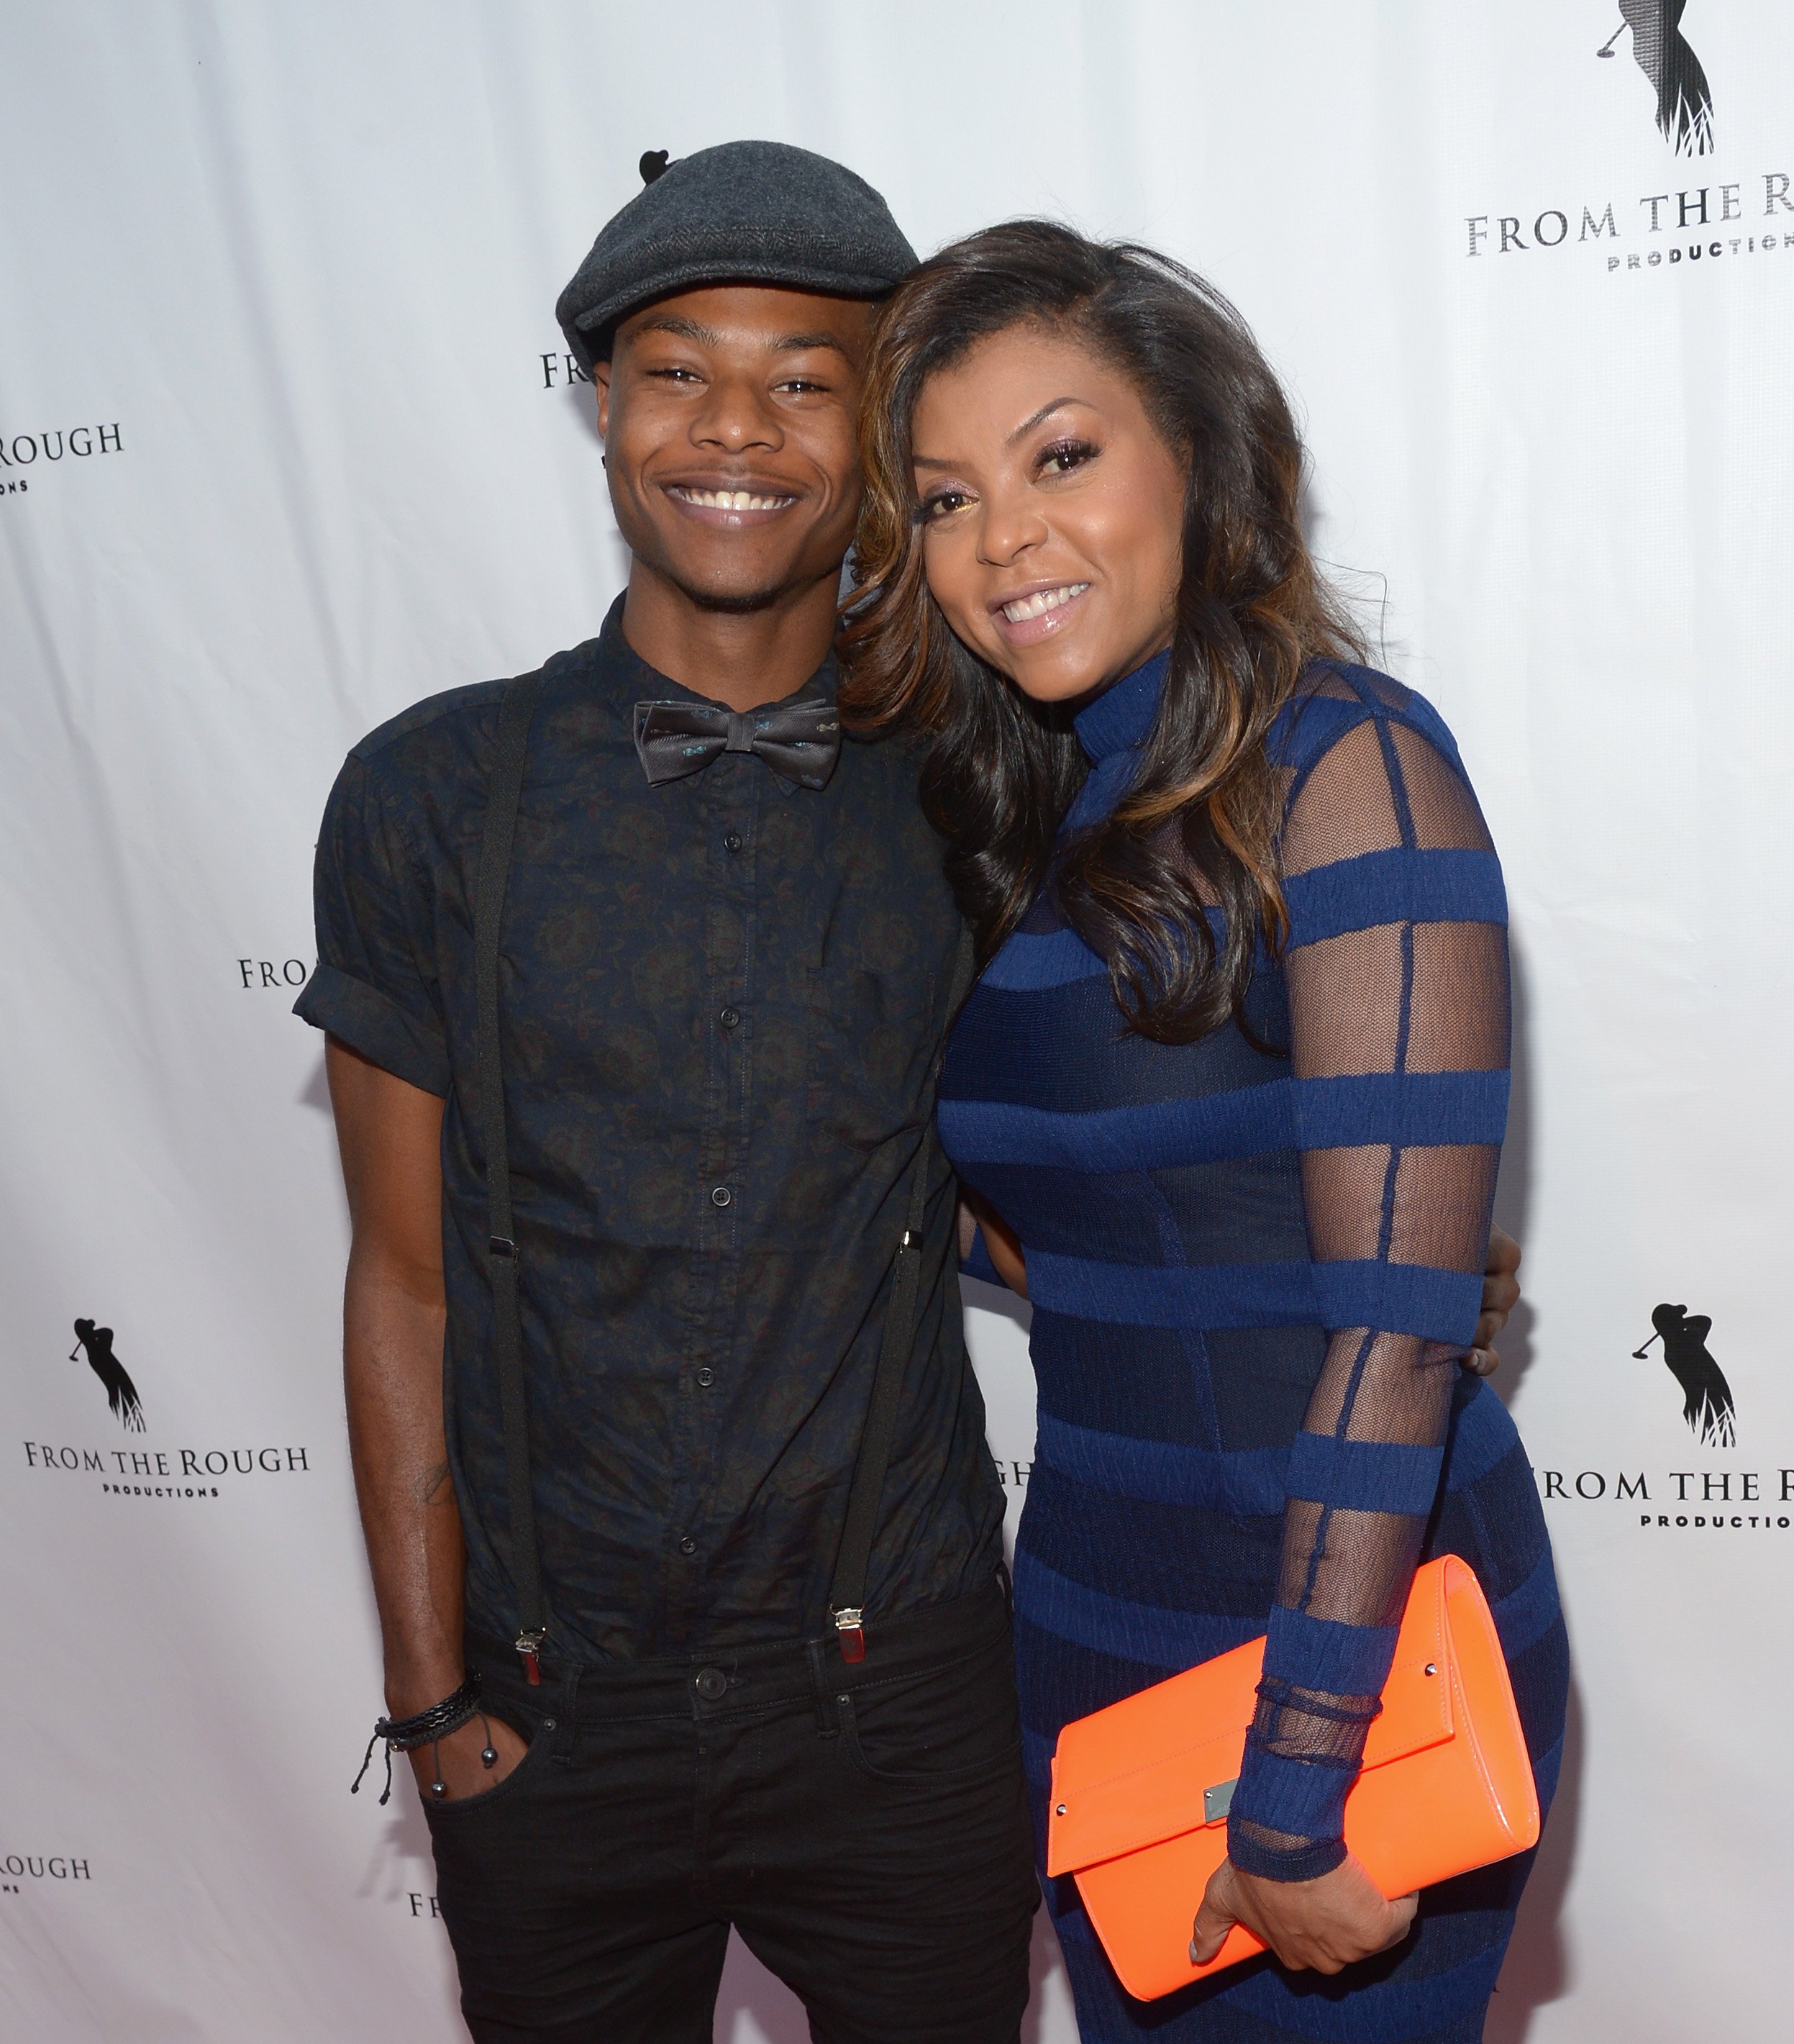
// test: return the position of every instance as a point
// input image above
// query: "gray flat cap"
(744, 213)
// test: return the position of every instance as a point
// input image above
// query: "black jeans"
(864, 1828)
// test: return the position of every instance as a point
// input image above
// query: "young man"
(724, 968)
(701, 1015)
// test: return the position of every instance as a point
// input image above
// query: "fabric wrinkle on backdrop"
(289, 439)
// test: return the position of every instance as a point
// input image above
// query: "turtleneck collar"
(1120, 718)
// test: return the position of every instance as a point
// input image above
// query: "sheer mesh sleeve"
(1397, 971)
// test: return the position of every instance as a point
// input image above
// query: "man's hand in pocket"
(464, 1772)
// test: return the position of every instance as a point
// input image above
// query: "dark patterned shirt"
(722, 999)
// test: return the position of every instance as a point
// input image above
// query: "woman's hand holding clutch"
(1318, 1926)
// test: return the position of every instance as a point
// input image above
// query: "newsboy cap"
(743, 213)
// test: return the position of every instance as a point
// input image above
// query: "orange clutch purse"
(1140, 1790)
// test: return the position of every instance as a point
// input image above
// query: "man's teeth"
(1043, 601)
(733, 499)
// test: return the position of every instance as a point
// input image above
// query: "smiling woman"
(1076, 457)
(1061, 554)
(1234, 1076)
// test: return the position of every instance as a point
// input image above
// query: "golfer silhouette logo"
(120, 1393)
(1684, 103)
(1707, 1399)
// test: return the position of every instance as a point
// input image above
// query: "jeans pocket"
(948, 1723)
(460, 1806)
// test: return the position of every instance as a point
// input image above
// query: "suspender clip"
(849, 1630)
(529, 1645)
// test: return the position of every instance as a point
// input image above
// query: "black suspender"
(503, 789)
(847, 1596)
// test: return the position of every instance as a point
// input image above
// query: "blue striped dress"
(1253, 1272)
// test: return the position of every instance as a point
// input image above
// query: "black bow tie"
(801, 740)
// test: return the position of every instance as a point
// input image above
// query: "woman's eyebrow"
(1034, 418)
(1021, 432)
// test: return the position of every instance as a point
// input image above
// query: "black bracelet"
(428, 1728)
(403, 1734)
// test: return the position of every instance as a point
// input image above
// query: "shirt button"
(732, 842)
(707, 1377)
(720, 1195)
(730, 1018)
(711, 1684)
(688, 1546)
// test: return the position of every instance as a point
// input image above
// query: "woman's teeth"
(1043, 601)
(732, 500)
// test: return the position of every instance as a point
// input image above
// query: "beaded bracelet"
(429, 1728)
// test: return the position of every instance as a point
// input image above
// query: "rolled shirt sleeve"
(374, 988)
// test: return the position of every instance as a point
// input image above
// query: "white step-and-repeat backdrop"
(288, 439)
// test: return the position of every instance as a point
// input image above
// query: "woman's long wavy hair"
(1199, 821)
